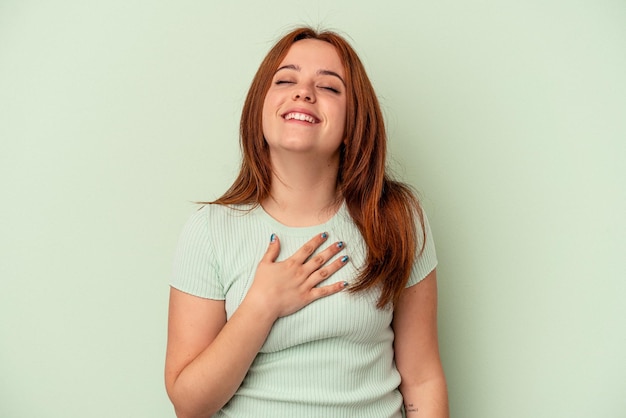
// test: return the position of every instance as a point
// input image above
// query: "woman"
(338, 318)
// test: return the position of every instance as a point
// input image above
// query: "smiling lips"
(300, 116)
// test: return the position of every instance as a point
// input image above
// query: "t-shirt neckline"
(279, 227)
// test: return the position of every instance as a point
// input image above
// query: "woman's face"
(305, 108)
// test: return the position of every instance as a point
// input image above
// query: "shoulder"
(216, 214)
(216, 209)
(228, 223)
(211, 220)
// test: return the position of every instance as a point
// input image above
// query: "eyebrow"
(320, 72)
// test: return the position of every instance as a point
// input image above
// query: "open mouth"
(300, 116)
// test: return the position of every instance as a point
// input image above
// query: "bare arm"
(416, 346)
(208, 357)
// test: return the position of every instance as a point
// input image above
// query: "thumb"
(273, 249)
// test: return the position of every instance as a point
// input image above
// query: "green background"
(509, 117)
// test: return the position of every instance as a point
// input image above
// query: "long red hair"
(384, 210)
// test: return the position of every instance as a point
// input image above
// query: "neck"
(303, 192)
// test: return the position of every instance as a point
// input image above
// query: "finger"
(309, 248)
(273, 249)
(318, 260)
(327, 271)
(331, 289)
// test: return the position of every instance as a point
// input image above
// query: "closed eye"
(334, 90)
(283, 82)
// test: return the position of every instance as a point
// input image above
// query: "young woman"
(308, 289)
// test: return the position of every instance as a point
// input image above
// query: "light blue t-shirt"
(334, 357)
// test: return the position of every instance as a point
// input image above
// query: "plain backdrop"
(509, 117)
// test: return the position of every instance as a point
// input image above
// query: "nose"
(304, 93)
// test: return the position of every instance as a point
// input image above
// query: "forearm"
(209, 381)
(428, 399)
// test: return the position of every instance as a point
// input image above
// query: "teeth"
(299, 116)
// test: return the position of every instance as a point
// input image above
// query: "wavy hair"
(384, 210)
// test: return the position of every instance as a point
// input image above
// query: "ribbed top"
(333, 358)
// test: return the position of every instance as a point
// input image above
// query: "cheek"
(271, 102)
(265, 114)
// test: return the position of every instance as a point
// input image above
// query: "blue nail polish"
(273, 238)
(344, 259)
(340, 244)
(324, 235)
(345, 284)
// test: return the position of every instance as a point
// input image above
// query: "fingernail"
(340, 244)
(345, 284)
(272, 238)
(324, 235)
(344, 259)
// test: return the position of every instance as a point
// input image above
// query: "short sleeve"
(426, 261)
(195, 270)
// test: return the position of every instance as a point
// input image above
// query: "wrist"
(258, 309)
